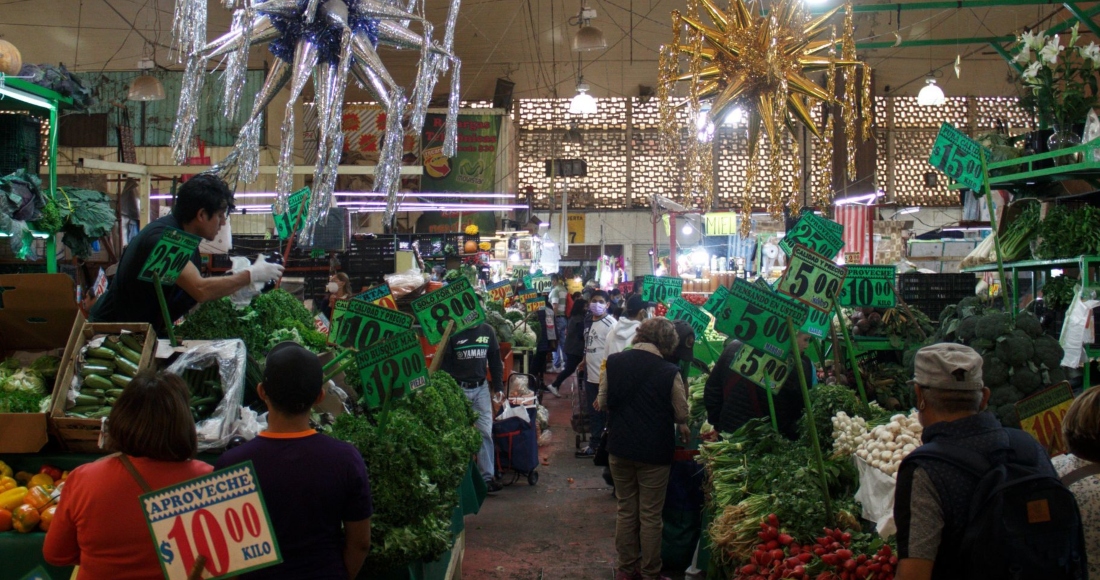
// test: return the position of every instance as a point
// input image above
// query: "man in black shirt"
(466, 357)
(201, 208)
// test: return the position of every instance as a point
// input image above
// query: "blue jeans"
(596, 419)
(479, 398)
(559, 354)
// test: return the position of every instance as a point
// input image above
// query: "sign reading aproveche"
(681, 309)
(758, 317)
(816, 233)
(170, 256)
(297, 205)
(456, 302)
(391, 368)
(379, 295)
(663, 289)
(759, 367)
(221, 516)
(812, 279)
(500, 292)
(359, 324)
(958, 156)
(716, 300)
(1041, 415)
(871, 286)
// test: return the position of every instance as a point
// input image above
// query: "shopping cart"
(515, 438)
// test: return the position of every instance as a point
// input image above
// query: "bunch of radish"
(779, 556)
(842, 564)
(776, 556)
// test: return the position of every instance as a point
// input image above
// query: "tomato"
(5, 520)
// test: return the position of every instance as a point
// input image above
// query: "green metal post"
(343, 354)
(51, 254)
(1082, 17)
(818, 458)
(996, 238)
(851, 352)
(771, 403)
(164, 310)
(339, 369)
(1007, 56)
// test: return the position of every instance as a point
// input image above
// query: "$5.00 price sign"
(958, 156)
(817, 322)
(170, 256)
(379, 295)
(871, 286)
(1041, 415)
(812, 279)
(500, 292)
(681, 309)
(816, 233)
(716, 300)
(295, 216)
(759, 367)
(221, 516)
(359, 324)
(663, 289)
(455, 301)
(758, 317)
(391, 368)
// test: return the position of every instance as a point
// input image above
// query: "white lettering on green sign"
(663, 289)
(391, 368)
(869, 286)
(758, 317)
(170, 256)
(958, 156)
(456, 302)
(812, 279)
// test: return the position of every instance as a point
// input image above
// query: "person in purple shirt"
(316, 488)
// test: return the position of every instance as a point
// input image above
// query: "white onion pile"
(848, 433)
(886, 445)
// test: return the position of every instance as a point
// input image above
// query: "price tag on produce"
(759, 367)
(663, 289)
(221, 516)
(533, 304)
(540, 284)
(870, 286)
(716, 300)
(379, 295)
(1041, 415)
(392, 368)
(359, 324)
(958, 156)
(681, 309)
(812, 279)
(297, 206)
(170, 256)
(816, 233)
(758, 317)
(455, 301)
(500, 292)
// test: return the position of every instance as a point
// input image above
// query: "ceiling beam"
(939, 5)
(1086, 19)
(1005, 55)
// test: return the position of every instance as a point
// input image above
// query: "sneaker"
(586, 453)
(493, 486)
(554, 391)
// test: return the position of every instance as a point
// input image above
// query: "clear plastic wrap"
(404, 283)
(230, 357)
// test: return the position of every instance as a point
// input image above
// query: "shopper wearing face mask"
(595, 341)
(338, 288)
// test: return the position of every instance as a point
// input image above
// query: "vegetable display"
(28, 501)
(273, 313)
(102, 372)
(27, 389)
(885, 446)
(1066, 233)
(697, 410)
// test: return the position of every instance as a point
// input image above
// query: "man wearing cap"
(558, 299)
(933, 497)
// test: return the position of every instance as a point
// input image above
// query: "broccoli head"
(994, 372)
(1015, 349)
(967, 328)
(1026, 380)
(947, 313)
(1048, 352)
(1028, 323)
(1056, 375)
(969, 306)
(1007, 415)
(982, 345)
(992, 325)
(1004, 395)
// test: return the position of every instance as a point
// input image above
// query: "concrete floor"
(563, 528)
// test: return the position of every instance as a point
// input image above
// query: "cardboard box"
(925, 249)
(36, 318)
(82, 435)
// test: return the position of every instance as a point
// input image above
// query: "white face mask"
(332, 287)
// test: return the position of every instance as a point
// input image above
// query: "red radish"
(805, 557)
(785, 539)
(849, 565)
(748, 569)
(844, 554)
(862, 571)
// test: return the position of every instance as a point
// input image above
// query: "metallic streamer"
(387, 177)
(237, 63)
(188, 28)
(450, 139)
(850, 97)
(867, 106)
(369, 70)
(262, 30)
(425, 83)
(305, 60)
(187, 114)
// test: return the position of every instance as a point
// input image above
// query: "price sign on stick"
(391, 368)
(871, 286)
(958, 156)
(716, 300)
(817, 322)
(535, 303)
(455, 301)
(812, 279)
(500, 292)
(681, 309)
(539, 284)
(170, 256)
(759, 367)
(379, 295)
(359, 324)
(220, 516)
(816, 233)
(663, 289)
(1041, 415)
(295, 216)
(758, 317)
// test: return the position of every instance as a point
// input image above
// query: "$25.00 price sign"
(221, 516)
(170, 256)
(663, 289)
(958, 156)
(455, 301)
(681, 309)
(359, 324)
(816, 233)
(812, 279)
(500, 292)
(391, 368)
(759, 367)
(871, 286)
(758, 317)
(379, 295)
(1041, 415)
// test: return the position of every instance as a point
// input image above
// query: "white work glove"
(263, 272)
(242, 297)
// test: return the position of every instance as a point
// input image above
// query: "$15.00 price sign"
(871, 286)
(816, 233)
(359, 324)
(391, 368)
(812, 279)
(500, 292)
(455, 301)
(758, 317)
(663, 289)
(170, 256)
(221, 516)
(1041, 415)
(379, 295)
(759, 367)
(681, 309)
(716, 300)
(958, 156)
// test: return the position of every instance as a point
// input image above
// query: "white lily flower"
(1024, 55)
(1074, 34)
(1049, 52)
(1034, 40)
(1031, 71)
(1091, 52)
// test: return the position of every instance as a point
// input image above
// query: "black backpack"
(1023, 522)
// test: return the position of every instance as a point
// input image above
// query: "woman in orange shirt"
(99, 524)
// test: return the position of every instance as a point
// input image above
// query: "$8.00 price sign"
(758, 317)
(663, 289)
(759, 367)
(455, 301)
(1041, 415)
(958, 156)
(816, 233)
(500, 292)
(391, 368)
(871, 286)
(379, 295)
(812, 279)
(170, 256)
(221, 516)
(359, 324)
(681, 309)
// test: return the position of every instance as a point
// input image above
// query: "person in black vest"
(646, 403)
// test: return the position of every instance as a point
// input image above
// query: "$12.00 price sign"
(221, 516)
(681, 309)
(455, 301)
(359, 324)
(816, 233)
(170, 256)
(379, 295)
(391, 368)
(958, 156)
(759, 367)
(1041, 415)
(758, 317)
(871, 286)
(535, 303)
(812, 279)
(500, 292)
(663, 289)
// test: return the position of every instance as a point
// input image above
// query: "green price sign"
(454, 302)
(812, 279)
(295, 216)
(663, 289)
(540, 284)
(681, 309)
(170, 256)
(358, 324)
(871, 286)
(535, 303)
(817, 322)
(500, 292)
(816, 233)
(716, 300)
(758, 317)
(958, 156)
(759, 367)
(390, 369)
(379, 295)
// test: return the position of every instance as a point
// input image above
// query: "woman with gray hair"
(646, 403)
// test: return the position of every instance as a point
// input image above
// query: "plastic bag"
(545, 437)
(876, 495)
(404, 283)
(508, 411)
(1092, 131)
(242, 297)
(1077, 330)
(543, 416)
(231, 358)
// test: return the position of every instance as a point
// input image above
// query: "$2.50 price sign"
(812, 279)
(758, 317)
(221, 516)
(663, 289)
(958, 156)
(759, 367)
(170, 256)
(379, 295)
(455, 301)
(681, 309)
(295, 216)
(1041, 415)
(359, 324)
(391, 368)
(816, 233)
(500, 292)
(871, 286)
